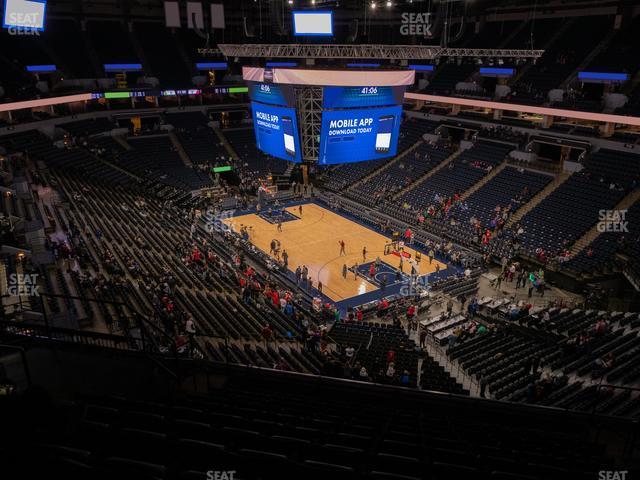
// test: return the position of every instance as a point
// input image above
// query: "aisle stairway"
(584, 241)
(544, 193)
(430, 173)
(385, 166)
(478, 185)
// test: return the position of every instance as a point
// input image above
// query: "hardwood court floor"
(312, 240)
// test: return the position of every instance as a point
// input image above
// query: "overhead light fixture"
(389, 4)
(373, 5)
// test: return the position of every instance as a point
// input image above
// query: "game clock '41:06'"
(369, 91)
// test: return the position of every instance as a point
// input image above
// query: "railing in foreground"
(42, 332)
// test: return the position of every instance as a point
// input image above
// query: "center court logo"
(219, 223)
(612, 221)
(413, 286)
(416, 24)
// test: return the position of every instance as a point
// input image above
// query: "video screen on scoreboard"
(24, 15)
(359, 97)
(348, 136)
(271, 93)
(276, 131)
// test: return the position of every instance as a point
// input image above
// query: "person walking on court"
(364, 254)
(300, 210)
(279, 225)
(344, 271)
(355, 271)
(342, 245)
(319, 286)
(285, 258)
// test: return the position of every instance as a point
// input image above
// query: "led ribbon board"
(496, 72)
(212, 65)
(603, 77)
(421, 68)
(271, 94)
(358, 97)
(41, 68)
(122, 67)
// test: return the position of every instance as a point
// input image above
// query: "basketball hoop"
(264, 188)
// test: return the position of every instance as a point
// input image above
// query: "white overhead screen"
(172, 14)
(217, 15)
(313, 23)
(195, 17)
(194, 11)
(27, 14)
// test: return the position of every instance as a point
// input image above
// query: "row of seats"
(458, 176)
(196, 137)
(252, 160)
(256, 427)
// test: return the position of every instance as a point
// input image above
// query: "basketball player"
(300, 210)
(364, 254)
(280, 225)
(344, 271)
(342, 250)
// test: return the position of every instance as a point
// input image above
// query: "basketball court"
(312, 239)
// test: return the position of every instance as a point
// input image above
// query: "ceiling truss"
(377, 52)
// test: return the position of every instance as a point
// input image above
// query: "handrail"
(69, 335)
(141, 319)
